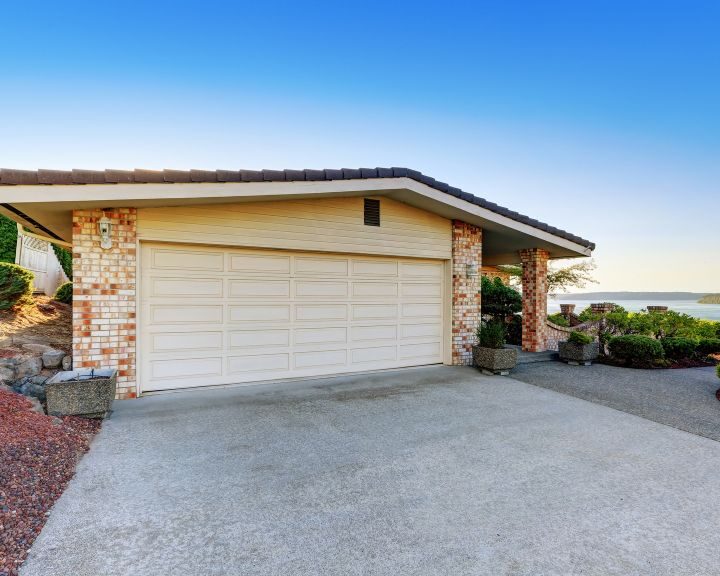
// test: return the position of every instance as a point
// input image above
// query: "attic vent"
(372, 212)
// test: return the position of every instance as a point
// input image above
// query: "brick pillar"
(466, 250)
(534, 299)
(104, 295)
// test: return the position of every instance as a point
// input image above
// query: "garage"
(220, 315)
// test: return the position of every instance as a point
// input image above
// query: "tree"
(560, 278)
(8, 239)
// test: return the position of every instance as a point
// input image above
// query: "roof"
(75, 177)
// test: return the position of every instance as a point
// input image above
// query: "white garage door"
(223, 315)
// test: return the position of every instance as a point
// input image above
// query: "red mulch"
(37, 459)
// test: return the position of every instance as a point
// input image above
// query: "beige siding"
(328, 225)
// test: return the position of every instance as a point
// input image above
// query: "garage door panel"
(184, 287)
(191, 340)
(248, 338)
(186, 368)
(258, 288)
(320, 289)
(259, 313)
(374, 354)
(373, 332)
(259, 264)
(374, 311)
(426, 310)
(164, 258)
(184, 314)
(321, 266)
(326, 335)
(320, 358)
(320, 312)
(258, 363)
(242, 315)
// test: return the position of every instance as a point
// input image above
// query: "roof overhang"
(47, 210)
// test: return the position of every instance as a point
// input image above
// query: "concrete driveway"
(426, 471)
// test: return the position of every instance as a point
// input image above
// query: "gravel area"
(682, 398)
(38, 455)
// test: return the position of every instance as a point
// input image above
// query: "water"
(690, 307)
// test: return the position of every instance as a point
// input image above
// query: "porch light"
(471, 270)
(105, 228)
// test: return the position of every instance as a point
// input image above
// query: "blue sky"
(599, 117)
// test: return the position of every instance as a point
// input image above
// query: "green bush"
(64, 293)
(559, 320)
(16, 285)
(579, 338)
(64, 256)
(637, 350)
(491, 335)
(513, 330)
(8, 239)
(707, 346)
(678, 348)
(499, 300)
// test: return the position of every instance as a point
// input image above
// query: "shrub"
(641, 351)
(678, 348)
(499, 300)
(8, 239)
(16, 285)
(579, 338)
(513, 330)
(707, 346)
(64, 256)
(491, 335)
(64, 293)
(559, 320)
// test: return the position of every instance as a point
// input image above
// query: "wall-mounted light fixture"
(105, 230)
(471, 270)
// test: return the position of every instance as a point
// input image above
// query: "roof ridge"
(10, 177)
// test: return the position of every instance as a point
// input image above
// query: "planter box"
(88, 393)
(495, 360)
(575, 354)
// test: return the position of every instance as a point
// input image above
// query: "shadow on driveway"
(684, 399)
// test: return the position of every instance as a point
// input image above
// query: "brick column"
(466, 250)
(534, 299)
(104, 295)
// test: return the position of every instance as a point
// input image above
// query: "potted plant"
(87, 392)
(579, 348)
(490, 354)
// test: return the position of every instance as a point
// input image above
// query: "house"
(197, 278)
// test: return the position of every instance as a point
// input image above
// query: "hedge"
(641, 351)
(16, 285)
(678, 348)
(64, 256)
(707, 346)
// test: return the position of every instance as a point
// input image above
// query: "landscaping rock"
(36, 405)
(67, 363)
(5, 341)
(36, 347)
(29, 367)
(5, 388)
(33, 390)
(52, 358)
(7, 373)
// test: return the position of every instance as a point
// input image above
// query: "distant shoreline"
(609, 296)
(710, 299)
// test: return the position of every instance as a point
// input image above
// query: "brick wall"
(466, 249)
(534, 301)
(104, 295)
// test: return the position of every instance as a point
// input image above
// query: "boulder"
(33, 390)
(67, 363)
(7, 373)
(36, 347)
(5, 341)
(29, 367)
(6, 388)
(52, 358)
(36, 406)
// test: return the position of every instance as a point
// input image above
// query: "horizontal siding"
(324, 225)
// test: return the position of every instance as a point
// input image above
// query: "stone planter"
(89, 393)
(495, 360)
(578, 354)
